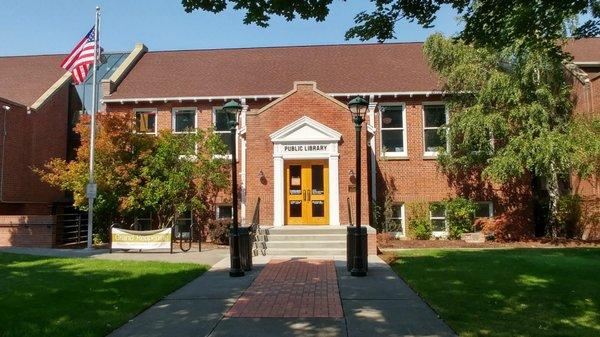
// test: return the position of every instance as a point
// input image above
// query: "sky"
(54, 26)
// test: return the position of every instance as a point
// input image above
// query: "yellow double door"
(307, 192)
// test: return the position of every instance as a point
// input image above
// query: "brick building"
(296, 137)
(38, 108)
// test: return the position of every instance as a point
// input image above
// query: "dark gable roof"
(359, 68)
(585, 50)
(23, 79)
(272, 70)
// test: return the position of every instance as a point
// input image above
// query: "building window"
(485, 209)
(184, 120)
(224, 212)
(145, 121)
(222, 128)
(396, 221)
(435, 116)
(393, 130)
(185, 220)
(437, 216)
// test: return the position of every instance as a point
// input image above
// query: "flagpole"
(91, 188)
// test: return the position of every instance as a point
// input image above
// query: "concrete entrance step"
(303, 237)
(272, 244)
(304, 230)
(300, 252)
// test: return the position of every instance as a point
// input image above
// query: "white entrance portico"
(305, 139)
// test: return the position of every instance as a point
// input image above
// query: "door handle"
(308, 195)
(304, 195)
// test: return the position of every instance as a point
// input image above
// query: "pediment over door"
(305, 129)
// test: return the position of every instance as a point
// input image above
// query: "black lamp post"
(358, 108)
(231, 110)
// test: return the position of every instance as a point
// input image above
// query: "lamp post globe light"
(358, 108)
(231, 109)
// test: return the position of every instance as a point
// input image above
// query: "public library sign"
(305, 148)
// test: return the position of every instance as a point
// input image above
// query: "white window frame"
(176, 110)
(150, 111)
(490, 209)
(393, 154)
(438, 234)
(433, 154)
(217, 211)
(237, 142)
(402, 220)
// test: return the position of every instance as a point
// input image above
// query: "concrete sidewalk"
(380, 304)
(207, 256)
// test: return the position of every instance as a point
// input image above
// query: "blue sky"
(54, 26)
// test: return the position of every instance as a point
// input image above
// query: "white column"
(278, 202)
(373, 168)
(243, 163)
(334, 190)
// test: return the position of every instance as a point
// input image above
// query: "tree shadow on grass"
(45, 296)
(520, 292)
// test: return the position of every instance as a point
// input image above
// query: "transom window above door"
(184, 120)
(393, 130)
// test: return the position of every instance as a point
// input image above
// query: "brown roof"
(23, 79)
(584, 50)
(262, 71)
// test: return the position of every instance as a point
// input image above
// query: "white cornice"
(264, 96)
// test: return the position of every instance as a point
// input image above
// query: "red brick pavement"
(292, 288)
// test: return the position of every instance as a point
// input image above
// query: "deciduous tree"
(511, 115)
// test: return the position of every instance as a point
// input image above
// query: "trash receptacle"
(351, 246)
(245, 248)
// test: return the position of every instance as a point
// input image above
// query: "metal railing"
(256, 216)
(71, 229)
(349, 211)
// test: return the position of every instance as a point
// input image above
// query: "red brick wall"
(31, 140)
(417, 178)
(27, 230)
(414, 178)
(304, 102)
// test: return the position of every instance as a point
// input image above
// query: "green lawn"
(44, 296)
(509, 292)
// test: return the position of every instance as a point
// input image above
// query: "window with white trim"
(393, 130)
(396, 221)
(145, 121)
(224, 212)
(437, 216)
(435, 116)
(184, 120)
(221, 127)
(485, 209)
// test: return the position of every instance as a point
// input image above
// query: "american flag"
(80, 60)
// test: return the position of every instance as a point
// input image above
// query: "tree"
(487, 22)
(512, 115)
(117, 162)
(139, 174)
(181, 173)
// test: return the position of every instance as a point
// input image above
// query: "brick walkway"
(292, 288)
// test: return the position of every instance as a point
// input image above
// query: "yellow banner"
(127, 239)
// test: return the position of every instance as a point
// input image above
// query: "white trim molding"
(305, 131)
(265, 96)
